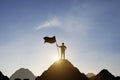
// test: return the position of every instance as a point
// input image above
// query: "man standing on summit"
(63, 48)
(53, 40)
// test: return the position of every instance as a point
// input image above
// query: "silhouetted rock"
(23, 74)
(62, 70)
(117, 78)
(104, 75)
(2, 77)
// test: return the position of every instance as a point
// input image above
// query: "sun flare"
(55, 58)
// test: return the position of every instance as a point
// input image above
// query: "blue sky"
(89, 28)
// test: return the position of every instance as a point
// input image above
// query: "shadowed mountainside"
(23, 74)
(2, 77)
(104, 75)
(62, 70)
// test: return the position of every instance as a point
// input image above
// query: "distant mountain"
(23, 74)
(62, 70)
(105, 75)
(2, 77)
(118, 78)
(89, 75)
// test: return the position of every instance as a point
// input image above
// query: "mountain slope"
(62, 70)
(23, 74)
(2, 77)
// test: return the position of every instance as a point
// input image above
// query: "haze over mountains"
(60, 70)
(90, 75)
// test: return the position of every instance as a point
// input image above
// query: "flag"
(49, 39)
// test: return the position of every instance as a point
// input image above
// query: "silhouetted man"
(63, 48)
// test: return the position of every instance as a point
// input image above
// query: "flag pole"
(57, 50)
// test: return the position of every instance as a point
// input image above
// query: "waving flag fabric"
(49, 39)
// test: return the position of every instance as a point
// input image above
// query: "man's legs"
(62, 55)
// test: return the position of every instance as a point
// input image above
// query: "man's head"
(62, 43)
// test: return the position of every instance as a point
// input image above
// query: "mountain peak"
(62, 70)
(105, 75)
(105, 72)
(89, 75)
(23, 73)
(61, 64)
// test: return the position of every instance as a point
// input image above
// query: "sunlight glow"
(55, 58)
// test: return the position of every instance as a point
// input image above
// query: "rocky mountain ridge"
(60, 70)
